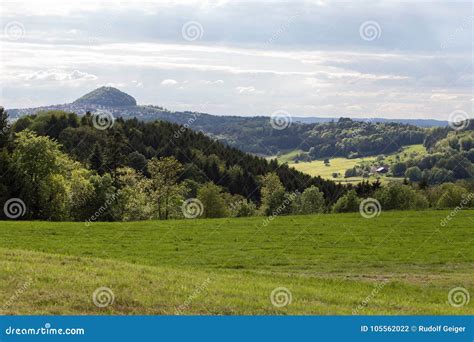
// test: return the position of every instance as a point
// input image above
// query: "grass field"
(399, 263)
(340, 165)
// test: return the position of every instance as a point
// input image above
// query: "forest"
(63, 167)
(341, 138)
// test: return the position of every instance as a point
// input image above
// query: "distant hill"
(106, 96)
(256, 134)
(416, 122)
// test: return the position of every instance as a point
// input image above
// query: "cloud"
(137, 84)
(169, 82)
(243, 90)
(58, 75)
(212, 82)
(442, 97)
(419, 66)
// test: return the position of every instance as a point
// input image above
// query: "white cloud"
(58, 75)
(442, 97)
(169, 82)
(137, 84)
(243, 90)
(212, 82)
(409, 72)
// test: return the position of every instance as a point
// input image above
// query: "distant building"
(382, 169)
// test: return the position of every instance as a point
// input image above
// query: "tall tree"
(272, 193)
(96, 159)
(212, 200)
(165, 173)
(4, 127)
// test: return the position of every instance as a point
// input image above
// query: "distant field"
(329, 263)
(340, 165)
(407, 153)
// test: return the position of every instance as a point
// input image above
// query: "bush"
(398, 169)
(243, 208)
(212, 200)
(400, 197)
(311, 201)
(452, 195)
(413, 173)
(347, 203)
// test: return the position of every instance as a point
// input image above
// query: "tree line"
(64, 168)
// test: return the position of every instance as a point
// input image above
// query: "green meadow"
(339, 165)
(396, 263)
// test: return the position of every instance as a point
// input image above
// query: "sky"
(391, 59)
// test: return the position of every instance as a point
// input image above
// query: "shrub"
(401, 197)
(311, 201)
(212, 200)
(452, 195)
(413, 173)
(347, 203)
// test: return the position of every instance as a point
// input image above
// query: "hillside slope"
(106, 96)
(133, 142)
(329, 263)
